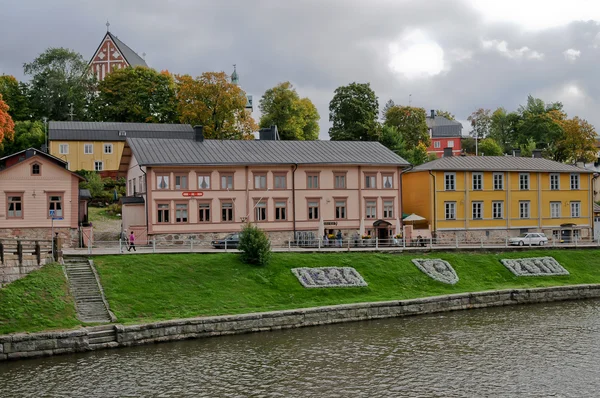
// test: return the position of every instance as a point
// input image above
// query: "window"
(477, 181)
(204, 212)
(14, 206)
(36, 169)
(162, 182)
(131, 189)
(450, 143)
(181, 212)
(204, 182)
(388, 181)
(260, 181)
(226, 211)
(449, 181)
(477, 212)
(340, 209)
(450, 208)
(371, 209)
(370, 181)
(163, 213)
(388, 209)
(524, 209)
(312, 181)
(181, 182)
(280, 210)
(339, 181)
(437, 144)
(575, 209)
(574, 181)
(498, 210)
(141, 184)
(524, 181)
(260, 211)
(226, 181)
(98, 165)
(88, 149)
(555, 209)
(63, 149)
(498, 181)
(55, 204)
(554, 182)
(313, 210)
(280, 181)
(108, 149)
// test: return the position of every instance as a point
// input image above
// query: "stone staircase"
(102, 336)
(86, 291)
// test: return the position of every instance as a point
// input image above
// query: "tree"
(390, 103)
(480, 123)
(489, 147)
(212, 101)
(468, 145)
(296, 118)
(254, 246)
(140, 95)
(15, 96)
(411, 124)
(7, 126)
(578, 143)
(445, 114)
(391, 138)
(27, 134)
(543, 123)
(60, 79)
(353, 112)
(504, 128)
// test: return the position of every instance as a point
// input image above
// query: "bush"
(254, 245)
(114, 209)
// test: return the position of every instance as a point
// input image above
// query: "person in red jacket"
(131, 242)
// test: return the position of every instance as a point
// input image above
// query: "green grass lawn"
(40, 301)
(168, 286)
(99, 214)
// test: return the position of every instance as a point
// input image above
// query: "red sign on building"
(192, 193)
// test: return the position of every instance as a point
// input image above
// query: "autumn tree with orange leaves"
(213, 101)
(7, 126)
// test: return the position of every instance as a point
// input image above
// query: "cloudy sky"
(457, 55)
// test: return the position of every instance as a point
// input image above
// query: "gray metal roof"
(443, 127)
(153, 152)
(596, 208)
(108, 131)
(498, 163)
(132, 58)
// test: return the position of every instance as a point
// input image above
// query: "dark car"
(233, 240)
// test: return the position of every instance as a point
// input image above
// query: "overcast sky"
(457, 55)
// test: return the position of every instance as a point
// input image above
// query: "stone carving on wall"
(329, 277)
(437, 269)
(535, 266)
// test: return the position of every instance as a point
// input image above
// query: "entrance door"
(382, 236)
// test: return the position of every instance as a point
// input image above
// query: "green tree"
(390, 137)
(140, 95)
(504, 128)
(489, 147)
(59, 80)
(27, 134)
(390, 103)
(480, 123)
(15, 96)
(93, 182)
(353, 112)
(296, 118)
(445, 114)
(542, 123)
(254, 246)
(578, 143)
(411, 124)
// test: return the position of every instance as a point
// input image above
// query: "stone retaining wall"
(18, 346)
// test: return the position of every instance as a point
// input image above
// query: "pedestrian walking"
(339, 238)
(131, 242)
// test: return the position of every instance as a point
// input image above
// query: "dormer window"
(36, 169)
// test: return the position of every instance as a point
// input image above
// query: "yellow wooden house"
(494, 197)
(99, 146)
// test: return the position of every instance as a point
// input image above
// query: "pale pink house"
(198, 188)
(33, 185)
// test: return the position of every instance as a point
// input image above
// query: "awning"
(381, 224)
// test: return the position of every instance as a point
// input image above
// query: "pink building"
(198, 188)
(34, 185)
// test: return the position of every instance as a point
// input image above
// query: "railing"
(18, 249)
(375, 244)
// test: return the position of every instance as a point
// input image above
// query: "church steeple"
(235, 79)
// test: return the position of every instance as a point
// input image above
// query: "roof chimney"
(198, 133)
(269, 134)
(447, 152)
(537, 153)
(516, 152)
(433, 114)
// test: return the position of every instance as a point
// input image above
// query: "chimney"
(270, 134)
(433, 114)
(447, 152)
(537, 153)
(516, 153)
(198, 133)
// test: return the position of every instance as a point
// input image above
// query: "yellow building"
(99, 145)
(493, 197)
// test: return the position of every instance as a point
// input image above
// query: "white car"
(529, 239)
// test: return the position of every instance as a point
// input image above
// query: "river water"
(546, 350)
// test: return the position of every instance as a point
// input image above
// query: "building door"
(596, 228)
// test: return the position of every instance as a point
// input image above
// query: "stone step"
(102, 333)
(100, 328)
(99, 340)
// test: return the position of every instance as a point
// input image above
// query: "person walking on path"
(131, 242)
(339, 238)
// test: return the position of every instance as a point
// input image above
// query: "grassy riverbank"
(146, 288)
(40, 301)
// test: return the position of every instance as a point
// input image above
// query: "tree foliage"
(353, 112)
(480, 123)
(254, 246)
(296, 118)
(578, 143)
(445, 114)
(140, 95)
(390, 103)
(504, 128)
(27, 134)
(391, 138)
(93, 182)
(489, 147)
(15, 96)
(7, 126)
(212, 101)
(59, 78)
(411, 124)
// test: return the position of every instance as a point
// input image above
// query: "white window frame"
(98, 162)
(437, 144)
(575, 181)
(552, 185)
(450, 143)
(477, 210)
(555, 209)
(65, 151)
(473, 179)
(498, 181)
(450, 210)
(204, 179)
(521, 180)
(105, 146)
(449, 177)
(85, 149)
(498, 210)
(524, 209)
(575, 209)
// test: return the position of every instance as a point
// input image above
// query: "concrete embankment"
(17, 346)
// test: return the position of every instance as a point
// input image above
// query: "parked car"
(233, 240)
(531, 238)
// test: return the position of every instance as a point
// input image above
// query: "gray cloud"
(320, 45)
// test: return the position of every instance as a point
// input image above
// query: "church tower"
(235, 79)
